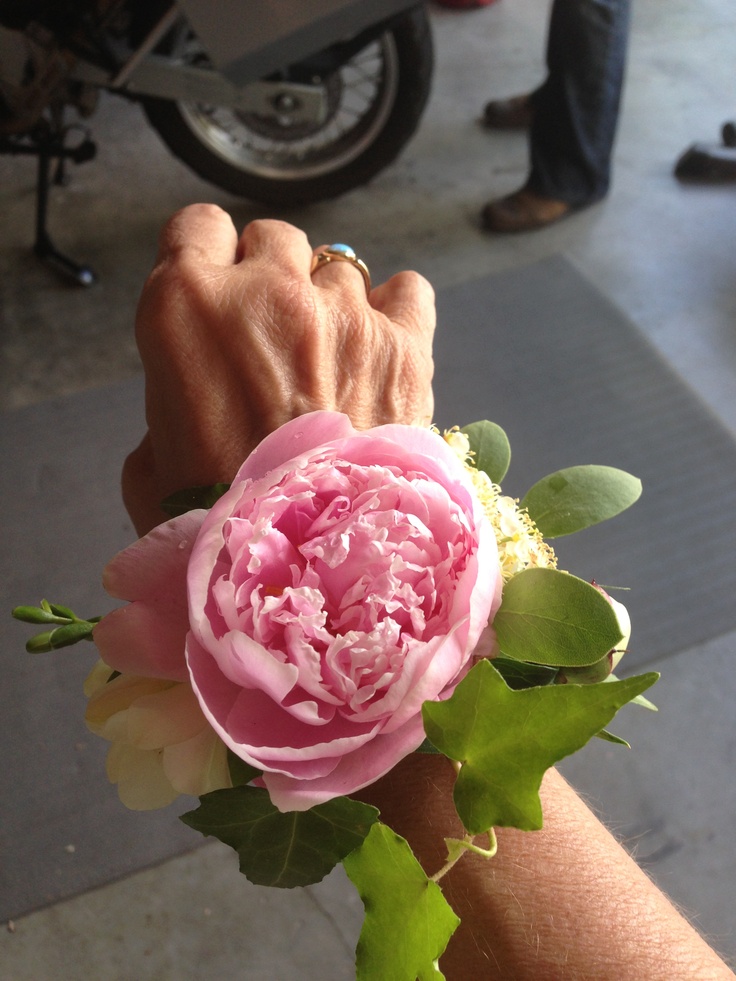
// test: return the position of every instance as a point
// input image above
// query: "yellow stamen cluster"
(520, 543)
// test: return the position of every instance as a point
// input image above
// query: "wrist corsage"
(352, 598)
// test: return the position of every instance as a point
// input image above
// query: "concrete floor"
(662, 252)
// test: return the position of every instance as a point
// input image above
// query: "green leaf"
(506, 739)
(427, 747)
(518, 674)
(591, 674)
(491, 447)
(408, 922)
(610, 737)
(290, 849)
(241, 773)
(193, 498)
(639, 700)
(644, 703)
(550, 617)
(578, 497)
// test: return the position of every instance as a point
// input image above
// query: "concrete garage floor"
(661, 252)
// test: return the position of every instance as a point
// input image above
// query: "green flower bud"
(70, 634)
(36, 614)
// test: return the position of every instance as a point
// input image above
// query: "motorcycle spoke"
(358, 96)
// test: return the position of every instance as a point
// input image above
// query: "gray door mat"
(540, 351)
(543, 353)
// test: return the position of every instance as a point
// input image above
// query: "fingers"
(200, 233)
(407, 299)
(275, 243)
(205, 234)
(340, 275)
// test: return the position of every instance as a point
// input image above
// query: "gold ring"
(339, 252)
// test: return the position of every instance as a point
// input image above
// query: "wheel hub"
(281, 125)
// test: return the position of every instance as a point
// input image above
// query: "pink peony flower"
(344, 579)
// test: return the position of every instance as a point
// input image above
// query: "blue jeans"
(576, 108)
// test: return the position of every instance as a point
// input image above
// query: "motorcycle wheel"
(375, 102)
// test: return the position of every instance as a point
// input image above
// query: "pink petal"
(294, 439)
(137, 639)
(155, 565)
(148, 636)
(354, 771)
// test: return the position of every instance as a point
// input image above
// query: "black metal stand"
(47, 144)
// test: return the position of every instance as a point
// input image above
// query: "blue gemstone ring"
(339, 252)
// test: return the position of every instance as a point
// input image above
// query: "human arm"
(236, 338)
(567, 902)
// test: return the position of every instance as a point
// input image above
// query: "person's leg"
(576, 109)
(573, 116)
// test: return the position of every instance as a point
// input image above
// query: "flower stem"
(456, 848)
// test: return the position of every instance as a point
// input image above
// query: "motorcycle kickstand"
(43, 247)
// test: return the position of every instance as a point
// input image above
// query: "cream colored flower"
(162, 745)
(520, 543)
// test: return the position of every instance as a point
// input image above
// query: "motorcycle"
(283, 103)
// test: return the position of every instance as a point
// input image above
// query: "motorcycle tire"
(257, 158)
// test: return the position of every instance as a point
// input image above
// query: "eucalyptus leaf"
(192, 498)
(284, 849)
(491, 447)
(408, 922)
(507, 739)
(578, 497)
(554, 618)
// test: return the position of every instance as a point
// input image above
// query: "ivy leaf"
(506, 739)
(427, 747)
(578, 497)
(639, 700)
(491, 447)
(408, 922)
(550, 617)
(192, 498)
(241, 773)
(284, 849)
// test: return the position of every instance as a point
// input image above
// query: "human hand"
(236, 339)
